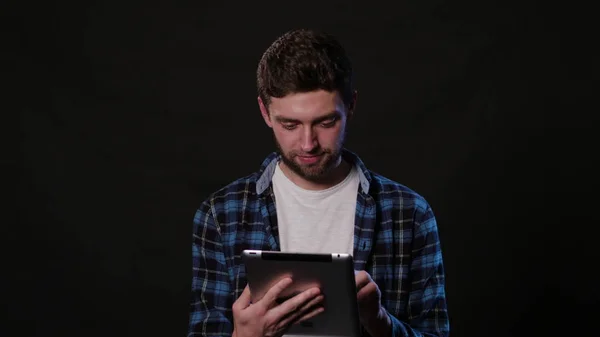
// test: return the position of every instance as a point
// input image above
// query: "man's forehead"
(306, 105)
(306, 117)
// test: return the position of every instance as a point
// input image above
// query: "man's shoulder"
(242, 187)
(227, 200)
(235, 190)
(387, 191)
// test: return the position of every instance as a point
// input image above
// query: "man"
(314, 195)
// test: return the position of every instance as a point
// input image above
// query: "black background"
(130, 114)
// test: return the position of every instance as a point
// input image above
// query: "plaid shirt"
(395, 240)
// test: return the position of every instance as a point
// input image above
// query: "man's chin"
(307, 171)
(310, 171)
(313, 173)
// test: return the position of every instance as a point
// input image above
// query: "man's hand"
(266, 318)
(373, 315)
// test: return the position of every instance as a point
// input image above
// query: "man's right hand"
(266, 318)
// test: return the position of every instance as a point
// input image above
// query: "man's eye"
(289, 126)
(329, 123)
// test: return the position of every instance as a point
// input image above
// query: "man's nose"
(309, 140)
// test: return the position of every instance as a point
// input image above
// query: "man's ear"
(264, 112)
(352, 106)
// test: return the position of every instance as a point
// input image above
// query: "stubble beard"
(313, 172)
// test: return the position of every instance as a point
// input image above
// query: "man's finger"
(272, 294)
(362, 279)
(306, 311)
(366, 291)
(244, 300)
(309, 315)
(293, 304)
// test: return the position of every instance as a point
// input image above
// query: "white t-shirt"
(316, 221)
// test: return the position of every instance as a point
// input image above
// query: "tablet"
(332, 273)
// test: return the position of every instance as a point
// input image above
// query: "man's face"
(309, 130)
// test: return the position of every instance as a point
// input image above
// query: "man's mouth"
(311, 159)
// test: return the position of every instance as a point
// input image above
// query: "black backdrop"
(132, 113)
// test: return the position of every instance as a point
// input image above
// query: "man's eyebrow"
(330, 115)
(282, 119)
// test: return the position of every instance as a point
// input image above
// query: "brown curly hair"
(304, 60)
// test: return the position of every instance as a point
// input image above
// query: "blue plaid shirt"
(395, 240)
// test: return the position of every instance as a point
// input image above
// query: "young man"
(314, 195)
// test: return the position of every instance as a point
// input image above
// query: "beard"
(316, 172)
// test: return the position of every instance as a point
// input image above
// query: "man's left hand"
(373, 315)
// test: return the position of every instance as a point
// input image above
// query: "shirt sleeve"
(210, 306)
(427, 312)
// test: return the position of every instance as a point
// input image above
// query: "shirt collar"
(268, 166)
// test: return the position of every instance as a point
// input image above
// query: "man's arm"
(427, 312)
(210, 305)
